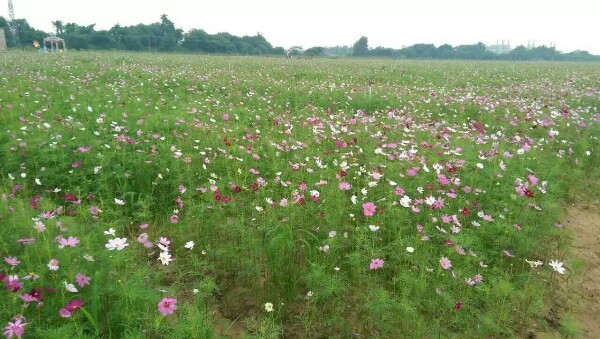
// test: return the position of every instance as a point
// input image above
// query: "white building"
(498, 48)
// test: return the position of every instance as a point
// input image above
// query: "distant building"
(499, 48)
(2, 40)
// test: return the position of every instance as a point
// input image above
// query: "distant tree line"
(468, 52)
(163, 36)
(160, 36)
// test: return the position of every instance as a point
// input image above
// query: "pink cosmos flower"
(443, 180)
(82, 279)
(174, 219)
(167, 306)
(63, 312)
(94, 211)
(27, 298)
(446, 263)
(412, 172)
(508, 254)
(12, 261)
(15, 328)
(376, 264)
(399, 191)
(69, 242)
(53, 264)
(533, 179)
(344, 186)
(369, 208)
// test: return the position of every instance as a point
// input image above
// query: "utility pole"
(13, 24)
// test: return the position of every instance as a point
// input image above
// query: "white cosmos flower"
(111, 231)
(117, 244)
(430, 200)
(165, 258)
(119, 202)
(557, 266)
(410, 249)
(269, 307)
(70, 287)
(534, 264)
(373, 228)
(189, 245)
(37, 181)
(405, 201)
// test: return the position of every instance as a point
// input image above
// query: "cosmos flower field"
(202, 196)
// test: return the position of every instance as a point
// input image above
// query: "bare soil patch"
(584, 222)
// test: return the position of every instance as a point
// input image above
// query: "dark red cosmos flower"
(465, 212)
(458, 305)
(36, 293)
(69, 197)
(34, 202)
(528, 193)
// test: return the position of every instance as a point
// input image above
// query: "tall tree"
(58, 27)
(361, 47)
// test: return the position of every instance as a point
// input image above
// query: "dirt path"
(583, 220)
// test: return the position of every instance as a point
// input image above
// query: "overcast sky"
(571, 24)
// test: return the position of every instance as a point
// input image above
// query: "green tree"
(58, 27)
(361, 47)
(170, 37)
(314, 51)
(296, 50)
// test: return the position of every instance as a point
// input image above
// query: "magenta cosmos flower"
(369, 208)
(70, 308)
(167, 306)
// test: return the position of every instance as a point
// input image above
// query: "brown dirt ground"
(583, 220)
(580, 297)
